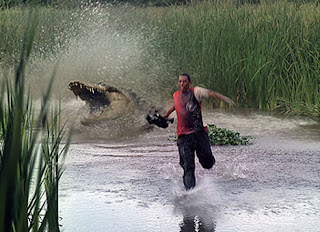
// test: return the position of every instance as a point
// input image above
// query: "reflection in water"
(195, 224)
(198, 207)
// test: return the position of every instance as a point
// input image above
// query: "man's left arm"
(220, 97)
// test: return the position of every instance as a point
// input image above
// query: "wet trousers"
(196, 143)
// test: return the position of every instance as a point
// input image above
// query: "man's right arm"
(166, 115)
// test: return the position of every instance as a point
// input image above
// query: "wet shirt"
(188, 109)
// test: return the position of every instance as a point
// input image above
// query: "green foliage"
(12, 3)
(29, 172)
(50, 39)
(261, 54)
(148, 2)
(223, 136)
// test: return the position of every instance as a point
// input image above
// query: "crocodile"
(119, 111)
(100, 97)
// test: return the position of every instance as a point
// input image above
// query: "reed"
(56, 27)
(30, 153)
(264, 55)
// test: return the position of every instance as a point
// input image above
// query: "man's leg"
(186, 153)
(203, 150)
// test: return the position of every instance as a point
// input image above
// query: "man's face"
(184, 83)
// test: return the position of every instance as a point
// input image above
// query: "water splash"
(99, 45)
(199, 206)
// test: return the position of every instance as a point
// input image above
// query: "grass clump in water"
(223, 136)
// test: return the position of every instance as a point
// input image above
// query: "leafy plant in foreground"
(29, 170)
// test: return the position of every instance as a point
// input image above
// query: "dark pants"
(189, 145)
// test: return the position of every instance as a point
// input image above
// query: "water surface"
(135, 184)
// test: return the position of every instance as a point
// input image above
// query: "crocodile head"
(99, 96)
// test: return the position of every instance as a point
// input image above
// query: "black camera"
(158, 120)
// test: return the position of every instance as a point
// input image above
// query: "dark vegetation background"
(11, 3)
(262, 54)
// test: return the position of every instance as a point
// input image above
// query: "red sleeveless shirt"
(188, 111)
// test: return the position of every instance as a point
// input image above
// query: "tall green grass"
(55, 29)
(31, 153)
(264, 55)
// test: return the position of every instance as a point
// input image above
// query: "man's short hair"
(186, 75)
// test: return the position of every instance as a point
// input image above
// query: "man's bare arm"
(166, 115)
(221, 97)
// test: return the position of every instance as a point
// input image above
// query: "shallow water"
(136, 184)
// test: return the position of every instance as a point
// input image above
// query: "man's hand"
(228, 100)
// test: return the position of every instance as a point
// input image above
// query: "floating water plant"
(223, 136)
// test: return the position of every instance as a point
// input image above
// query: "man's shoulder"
(199, 89)
(200, 92)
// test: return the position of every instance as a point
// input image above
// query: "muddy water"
(136, 185)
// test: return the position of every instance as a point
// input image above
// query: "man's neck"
(185, 91)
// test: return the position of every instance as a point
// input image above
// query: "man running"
(192, 135)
